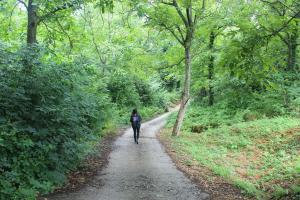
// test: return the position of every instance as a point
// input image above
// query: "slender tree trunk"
(186, 91)
(292, 52)
(211, 69)
(90, 22)
(189, 22)
(32, 23)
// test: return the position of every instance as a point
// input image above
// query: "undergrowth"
(260, 155)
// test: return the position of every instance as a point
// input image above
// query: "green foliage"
(122, 89)
(259, 156)
(49, 114)
(128, 91)
(95, 67)
(297, 168)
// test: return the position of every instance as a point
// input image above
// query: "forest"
(72, 71)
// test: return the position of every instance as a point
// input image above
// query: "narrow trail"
(139, 171)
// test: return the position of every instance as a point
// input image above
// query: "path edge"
(219, 189)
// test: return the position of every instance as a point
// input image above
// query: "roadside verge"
(217, 187)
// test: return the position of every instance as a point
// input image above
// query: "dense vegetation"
(69, 70)
(243, 123)
(87, 72)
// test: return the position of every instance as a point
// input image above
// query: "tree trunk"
(32, 23)
(186, 91)
(292, 51)
(211, 69)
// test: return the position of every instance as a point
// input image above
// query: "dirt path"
(138, 171)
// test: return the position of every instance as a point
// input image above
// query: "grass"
(261, 156)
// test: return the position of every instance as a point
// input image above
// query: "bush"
(144, 90)
(123, 90)
(48, 116)
(128, 91)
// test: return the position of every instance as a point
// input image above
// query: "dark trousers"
(136, 131)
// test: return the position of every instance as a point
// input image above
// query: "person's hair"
(134, 111)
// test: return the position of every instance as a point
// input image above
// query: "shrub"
(48, 116)
(122, 89)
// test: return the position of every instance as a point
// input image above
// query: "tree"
(284, 23)
(212, 37)
(38, 11)
(216, 26)
(182, 27)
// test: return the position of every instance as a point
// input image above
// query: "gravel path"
(139, 171)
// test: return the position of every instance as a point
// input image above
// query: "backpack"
(135, 118)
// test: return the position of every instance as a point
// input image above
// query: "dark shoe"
(137, 142)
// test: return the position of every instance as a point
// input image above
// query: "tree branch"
(189, 16)
(67, 34)
(220, 30)
(51, 35)
(88, 19)
(173, 65)
(167, 3)
(23, 3)
(173, 33)
(180, 32)
(272, 6)
(284, 26)
(278, 34)
(57, 9)
(10, 16)
(175, 4)
(283, 39)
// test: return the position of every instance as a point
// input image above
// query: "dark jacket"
(138, 122)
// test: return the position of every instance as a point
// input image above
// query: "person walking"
(135, 120)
